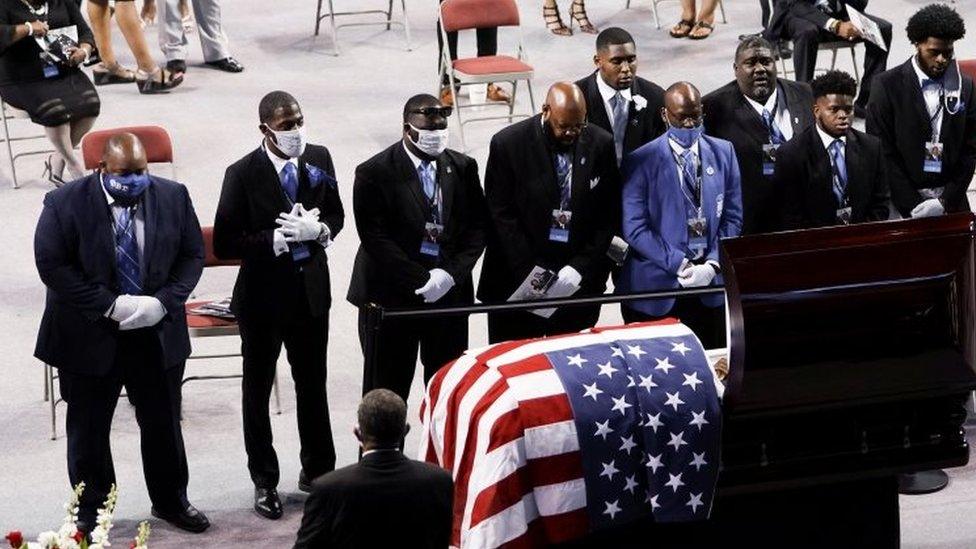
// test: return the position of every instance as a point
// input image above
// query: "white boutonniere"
(639, 102)
(594, 182)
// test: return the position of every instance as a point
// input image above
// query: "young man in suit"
(808, 23)
(830, 173)
(385, 500)
(925, 114)
(541, 171)
(618, 100)
(681, 195)
(120, 251)
(757, 112)
(420, 214)
(279, 209)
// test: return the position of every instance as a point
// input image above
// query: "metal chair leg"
(53, 402)
(528, 84)
(47, 391)
(657, 21)
(833, 59)
(389, 14)
(335, 31)
(10, 149)
(406, 24)
(857, 71)
(721, 10)
(277, 394)
(318, 18)
(627, 7)
(511, 103)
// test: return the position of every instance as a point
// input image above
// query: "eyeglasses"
(430, 112)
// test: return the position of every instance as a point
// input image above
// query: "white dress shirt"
(828, 139)
(932, 103)
(781, 116)
(607, 93)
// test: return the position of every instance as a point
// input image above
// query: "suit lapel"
(915, 96)
(855, 168)
(447, 179)
(544, 160)
(821, 171)
(599, 115)
(101, 222)
(750, 121)
(269, 180)
(799, 111)
(709, 173)
(151, 204)
(408, 175)
(582, 167)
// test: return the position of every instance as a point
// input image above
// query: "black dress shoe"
(303, 483)
(176, 66)
(189, 519)
(227, 64)
(267, 503)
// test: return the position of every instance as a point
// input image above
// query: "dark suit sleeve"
(335, 215)
(232, 238)
(56, 264)
(188, 265)
(500, 196)
(607, 222)
(881, 123)
(877, 209)
(956, 188)
(471, 241)
(859, 5)
(85, 35)
(788, 178)
(806, 9)
(315, 531)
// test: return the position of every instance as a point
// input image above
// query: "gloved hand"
(695, 276)
(439, 283)
(928, 208)
(567, 281)
(123, 308)
(300, 225)
(149, 311)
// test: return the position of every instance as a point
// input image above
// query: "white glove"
(928, 208)
(696, 275)
(123, 308)
(301, 226)
(567, 281)
(439, 283)
(149, 311)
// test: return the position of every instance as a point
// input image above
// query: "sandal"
(151, 84)
(554, 22)
(577, 12)
(56, 179)
(701, 25)
(112, 74)
(682, 29)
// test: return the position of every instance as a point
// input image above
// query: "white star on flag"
(609, 470)
(628, 444)
(674, 400)
(663, 365)
(674, 482)
(698, 419)
(632, 383)
(617, 352)
(603, 429)
(654, 462)
(692, 380)
(694, 502)
(652, 500)
(636, 351)
(591, 391)
(698, 461)
(654, 421)
(677, 440)
(577, 360)
(620, 405)
(679, 347)
(646, 382)
(631, 483)
(612, 508)
(606, 369)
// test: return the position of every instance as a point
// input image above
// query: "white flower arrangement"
(640, 103)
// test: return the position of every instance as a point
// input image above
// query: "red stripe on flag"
(511, 489)
(545, 531)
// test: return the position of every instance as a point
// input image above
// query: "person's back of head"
(382, 418)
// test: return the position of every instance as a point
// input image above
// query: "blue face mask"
(686, 137)
(126, 188)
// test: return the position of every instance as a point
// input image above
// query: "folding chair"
(212, 326)
(458, 15)
(9, 114)
(155, 139)
(833, 47)
(657, 20)
(388, 12)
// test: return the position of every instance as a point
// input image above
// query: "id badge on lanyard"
(933, 157)
(697, 234)
(430, 245)
(51, 71)
(559, 227)
(769, 158)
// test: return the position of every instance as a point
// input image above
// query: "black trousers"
(305, 338)
(439, 341)
(708, 323)
(807, 36)
(155, 393)
(515, 325)
(487, 44)
(766, 10)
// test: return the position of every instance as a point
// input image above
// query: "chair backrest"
(968, 67)
(475, 14)
(155, 139)
(211, 260)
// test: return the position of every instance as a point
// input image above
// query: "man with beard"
(925, 114)
(617, 99)
(549, 167)
(757, 112)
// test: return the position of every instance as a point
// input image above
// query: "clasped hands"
(300, 224)
(694, 276)
(137, 311)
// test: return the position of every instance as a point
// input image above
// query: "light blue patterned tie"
(289, 181)
(840, 169)
(428, 179)
(776, 137)
(564, 176)
(689, 166)
(620, 115)
(127, 253)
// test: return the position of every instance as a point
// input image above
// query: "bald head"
(123, 154)
(682, 105)
(565, 112)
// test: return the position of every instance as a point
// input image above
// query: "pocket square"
(317, 175)
(594, 182)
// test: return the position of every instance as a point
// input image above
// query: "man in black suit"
(830, 173)
(385, 500)
(420, 214)
(618, 100)
(808, 23)
(923, 108)
(119, 252)
(757, 112)
(279, 209)
(540, 171)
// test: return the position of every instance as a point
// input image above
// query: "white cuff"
(30, 29)
(278, 244)
(829, 27)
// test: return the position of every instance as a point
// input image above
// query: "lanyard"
(936, 129)
(434, 203)
(698, 182)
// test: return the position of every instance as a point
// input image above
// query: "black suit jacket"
(250, 200)
(729, 116)
(897, 114)
(804, 174)
(521, 188)
(74, 248)
(385, 500)
(391, 211)
(807, 9)
(643, 126)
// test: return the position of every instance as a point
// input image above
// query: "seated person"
(830, 173)
(808, 23)
(385, 500)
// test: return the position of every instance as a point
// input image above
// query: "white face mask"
(291, 142)
(430, 142)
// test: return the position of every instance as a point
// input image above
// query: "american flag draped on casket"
(553, 438)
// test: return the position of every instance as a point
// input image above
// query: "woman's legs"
(101, 24)
(79, 128)
(128, 20)
(688, 10)
(707, 13)
(60, 137)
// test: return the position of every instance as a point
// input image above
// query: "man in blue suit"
(119, 252)
(681, 194)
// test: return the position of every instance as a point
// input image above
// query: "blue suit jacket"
(655, 216)
(74, 250)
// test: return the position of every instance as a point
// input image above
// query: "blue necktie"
(620, 115)
(127, 253)
(840, 169)
(689, 168)
(926, 82)
(289, 181)
(428, 179)
(564, 176)
(775, 135)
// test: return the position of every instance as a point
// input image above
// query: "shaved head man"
(553, 193)
(123, 154)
